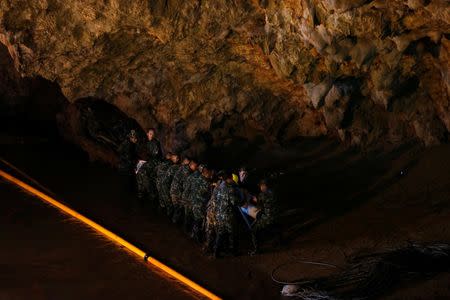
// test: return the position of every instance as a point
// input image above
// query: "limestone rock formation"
(368, 72)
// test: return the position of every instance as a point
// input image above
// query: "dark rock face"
(368, 72)
(29, 103)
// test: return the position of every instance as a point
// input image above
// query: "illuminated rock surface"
(365, 72)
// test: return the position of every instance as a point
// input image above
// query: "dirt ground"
(339, 203)
(47, 255)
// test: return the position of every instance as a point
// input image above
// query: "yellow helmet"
(235, 178)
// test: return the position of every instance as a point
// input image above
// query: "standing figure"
(176, 190)
(146, 175)
(128, 158)
(146, 182)
(153, 146)
(201, 193)
(227, 200)
(188, 189)
(167, 182)
(161, 170)
(211, 212)
(267, 216)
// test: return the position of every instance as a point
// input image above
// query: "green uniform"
(201, 193)
(210, 222)
(166, 184)
(153, 149)
(269, 210)
(146, 181)
(176, 191)
(186, 197)
(226, 200)
(127, 157)
(266, 217)
(161, 170)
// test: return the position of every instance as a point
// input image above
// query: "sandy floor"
(350, 204)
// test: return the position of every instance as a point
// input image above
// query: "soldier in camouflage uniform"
(176, 190)
(167, 182)
(153, 146)
(227, 199)
(201, 193)
(188, 186)
(267, 216)
(161, 170)
(211, 211)
(146, 176)
(128, 154)
(128, 158)
(146, 181)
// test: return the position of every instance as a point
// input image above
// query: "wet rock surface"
(366, 72)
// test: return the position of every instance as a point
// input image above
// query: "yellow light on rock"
(166, 269)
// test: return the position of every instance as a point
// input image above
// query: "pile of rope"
(369, 276)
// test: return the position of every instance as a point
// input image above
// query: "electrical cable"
(306, 262)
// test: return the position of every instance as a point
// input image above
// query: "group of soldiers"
(205, 203)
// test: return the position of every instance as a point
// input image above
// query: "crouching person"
(161, 170)
(267, 216)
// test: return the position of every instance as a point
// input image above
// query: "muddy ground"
(341, 203)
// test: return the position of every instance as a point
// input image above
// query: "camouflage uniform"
(227, 199)
(127, 157)
(266, 218)
(269, 210)
(210, 222)
(201, 193)
(166, 184)
(186, 197)
(153, 149)
(161, 170)
(146, 181)
(176, 191)
(127, 162)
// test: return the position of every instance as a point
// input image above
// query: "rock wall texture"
(366, 72)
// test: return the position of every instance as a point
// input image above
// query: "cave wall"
(28, 105)
(365, 72)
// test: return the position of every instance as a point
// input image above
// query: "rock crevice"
(368, 72)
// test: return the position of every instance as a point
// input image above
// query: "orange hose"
(112, 236)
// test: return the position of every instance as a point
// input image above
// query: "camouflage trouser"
(210, 236)
(146, 186)
(225, 232)
(198, 229)
(165, 200)
(263, 222)
(178, 209)
(188, 216)
(210, 231)
(161, 196)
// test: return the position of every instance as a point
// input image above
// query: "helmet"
(235, 178)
